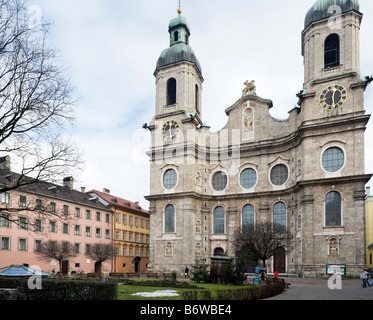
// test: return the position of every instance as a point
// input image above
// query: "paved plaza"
(317, 289)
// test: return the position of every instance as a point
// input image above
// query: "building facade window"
(219, 181)
(170, 179)
(279, 214)
(219, 220)
(333, 209)
(279, 175)
(248, 215)
(171, 91)
(332, 51)
(333, 159)
(169, 219)
(248, 178)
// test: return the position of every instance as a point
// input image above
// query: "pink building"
(47, 212)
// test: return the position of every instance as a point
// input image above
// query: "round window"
(170, 179)
(248, 178)
(279, 174)
(333, 159)
(219, 181)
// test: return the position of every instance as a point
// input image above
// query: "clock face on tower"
(333, 97)
(170, 130)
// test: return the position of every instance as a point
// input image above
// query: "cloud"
(110, 48)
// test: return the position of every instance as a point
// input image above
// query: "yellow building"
(131, 225)
(369, 225)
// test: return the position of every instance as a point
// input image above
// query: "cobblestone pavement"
(317, 289)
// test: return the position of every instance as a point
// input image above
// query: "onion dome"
(324, 9)
(179, 49)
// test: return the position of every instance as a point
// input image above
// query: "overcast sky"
(110, 49)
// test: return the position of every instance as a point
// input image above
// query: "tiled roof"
(119, 202)
(49, 190)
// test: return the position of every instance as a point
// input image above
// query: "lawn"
(125, 292)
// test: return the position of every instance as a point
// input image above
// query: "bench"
(133, 275)
(167, 275)
(152, 275)
(93, 275)
(116, 275)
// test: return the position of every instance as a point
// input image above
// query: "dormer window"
(332, 50)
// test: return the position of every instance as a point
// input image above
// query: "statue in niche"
(249, 121)
(333, 248)
(250, 88)
(168, 249)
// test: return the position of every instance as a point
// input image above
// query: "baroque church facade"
(306, 173)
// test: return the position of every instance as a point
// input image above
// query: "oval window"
(248, 178)
(333, 159)
(219, 181)
(279, 174)
(170, 179)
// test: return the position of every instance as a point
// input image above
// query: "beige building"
(306, 172)
(369, 224)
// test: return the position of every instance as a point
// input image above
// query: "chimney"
(82, 189)
(5, 163)
(68, 183)
(106, 191)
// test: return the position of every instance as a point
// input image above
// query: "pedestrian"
(364, 277)
(187, 272)
(371, 276)
(276, 276)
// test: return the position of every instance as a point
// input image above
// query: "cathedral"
(306, 173)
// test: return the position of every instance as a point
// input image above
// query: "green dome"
(179, 49)
(319, 10)
(176, 53)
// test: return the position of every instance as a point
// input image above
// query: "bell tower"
(178, 73)
(333, 85)
(330, 40)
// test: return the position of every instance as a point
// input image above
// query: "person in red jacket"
(276, 276)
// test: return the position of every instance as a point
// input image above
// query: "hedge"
(252, 293)
(64, 290)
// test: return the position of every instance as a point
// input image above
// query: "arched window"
(333, 209)
(176, 36)
(279, 214)
(332, 49)
(247, 215)
(219, 220)
(197, 98)
(169, 219)
(171, 91)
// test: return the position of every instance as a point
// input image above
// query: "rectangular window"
(38, 225)
(107, 218)
(65, 210)
(98, 216)
(22, 244)
(117, 217)
(77, 230)
(77, 248)
(5, 219)
(107, 233)
(53, 226)
(53, 208)
(124, 236)
(87, 248)
(5, 243)
(117, 235)
(124, 219)
(88, 231)
(98, 232)
(77, 213)
(5, 198)
(88, 214)
(23, 223)
(37, 245)
(65, 228)
(22, 201)
(131, 218)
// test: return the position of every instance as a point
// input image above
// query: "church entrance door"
(279, 260)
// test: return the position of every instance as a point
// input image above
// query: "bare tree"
(60, 251)
(101, 252)
(35, 102)
(35, 98)
(260, 241)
